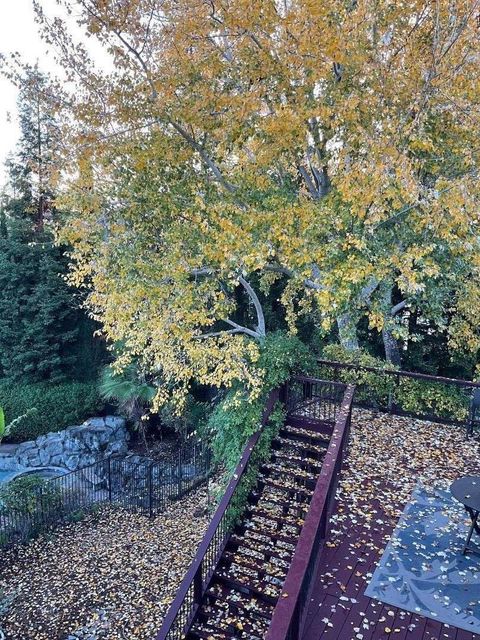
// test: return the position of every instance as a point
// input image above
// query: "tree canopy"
(324, 151)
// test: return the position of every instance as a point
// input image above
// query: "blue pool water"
(6, 475)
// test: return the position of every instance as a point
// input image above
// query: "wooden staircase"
(248, 579)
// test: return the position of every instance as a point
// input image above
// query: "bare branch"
(257, 304)
(309, 182)
(205, 157)
(398, 307)
(246, 330)
(216, 334)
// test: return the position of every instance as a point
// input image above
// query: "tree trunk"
(347, 331)
(390, 343)
(392, 350)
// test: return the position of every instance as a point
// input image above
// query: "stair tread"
(221, 617)
(235, 598)
(308, 433)
(300, 444)
(275, 552)
(271, 593)
(277, 480)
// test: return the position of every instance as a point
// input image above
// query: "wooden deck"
(339, 609)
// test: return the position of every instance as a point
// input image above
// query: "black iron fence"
(435, 398)
(310, 399)
(30, 505)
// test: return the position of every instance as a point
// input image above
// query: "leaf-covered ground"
(111, 575)
(114, 574)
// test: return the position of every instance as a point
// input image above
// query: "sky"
(18, 32)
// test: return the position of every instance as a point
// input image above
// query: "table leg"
(474, 516)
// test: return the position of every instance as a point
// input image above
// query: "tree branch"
(228, 186)
(398, 307)
(308, 282)
(246, 330)
(215, 334)
(309, 182)
(257, 304)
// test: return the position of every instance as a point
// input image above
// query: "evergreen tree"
(40, 318)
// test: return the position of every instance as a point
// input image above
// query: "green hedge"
(372, 388)
(57, 406)
(380, 390)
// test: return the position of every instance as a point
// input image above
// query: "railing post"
(109, 473)
(150, 490)
(179, 474)
(198, 585)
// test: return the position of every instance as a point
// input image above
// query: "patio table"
(467, 491)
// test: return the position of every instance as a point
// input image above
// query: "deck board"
(338, 609)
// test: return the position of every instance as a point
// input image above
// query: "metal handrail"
(399, 372)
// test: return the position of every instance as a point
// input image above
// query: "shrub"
(433, 398)
(372, 388)
(416, 396)
(56, 406)
(28, 494)
(238, 416)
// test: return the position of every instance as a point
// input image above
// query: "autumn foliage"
(326, 149)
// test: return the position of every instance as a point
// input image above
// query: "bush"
(57, 406)
(238, 416)
(28, 494)
(433, 398)
(412, 395)
(373, 389)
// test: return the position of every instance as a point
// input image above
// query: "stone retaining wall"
(72, 448)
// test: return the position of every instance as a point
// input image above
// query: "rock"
(77, 446)
(41, 440)
(32, 460)
(115, 422)
(44, 456)
(115, 448)
(86, 460)
(72, 462)
(54, 446)
(24, 447)
(94, 422)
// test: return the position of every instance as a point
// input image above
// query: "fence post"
(109, 471)
(150, 490)
(179, 473)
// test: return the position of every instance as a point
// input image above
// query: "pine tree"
(40, 318)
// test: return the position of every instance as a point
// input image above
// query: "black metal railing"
(313, 399)
(148, 486)
(190, 593)
(419, 395)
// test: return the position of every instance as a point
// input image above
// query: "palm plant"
(131, 392)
